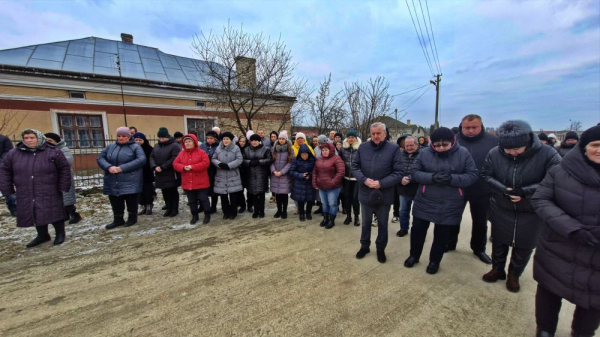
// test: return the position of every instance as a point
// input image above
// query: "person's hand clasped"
(442, 178)
(114, 169)
(187, 168)
(372, 183)
(405, 181)
(158, 169)
(514, 197)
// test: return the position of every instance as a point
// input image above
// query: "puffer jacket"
(5, 146)
(163, 155)
(563, 149)
(69, 198)
(302, 189)
(130, 158)
(258, 176)
(408, 164)
(227, 181)
(197, 177)
(568, 200)
(41, 177)
(478, 146)
(437, 203)
(517, 224)
(281, 185)
(328, 171)
(348, 152)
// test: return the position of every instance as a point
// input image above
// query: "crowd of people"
(535, 194)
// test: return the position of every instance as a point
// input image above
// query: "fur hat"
(53, 136)
(139, 135)
(351, 133)
(300, 135)
(283, 134)
(255, 137)
(442, 134)
(123, 131)
(590, 135)
(163, 132)
(213, 134)
(514, 134)
(227, 134)
(178, 134)
(572, 135)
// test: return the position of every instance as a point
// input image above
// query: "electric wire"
(437, 64)
(406, 92)
(433, 35)
(419, 37)
(422, 35)
(414, 101)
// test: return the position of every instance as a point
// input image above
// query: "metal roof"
(96, 56)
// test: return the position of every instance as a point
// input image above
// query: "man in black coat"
(408, 188)
(472, 136)
(377, 167)
(11, 200)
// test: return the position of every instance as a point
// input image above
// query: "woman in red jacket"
(193, 164)
(327, 179)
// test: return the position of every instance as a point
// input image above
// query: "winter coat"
(281, 185)
(243, 170)
(129, 157)
(437, 203)
(5, 146)
(567, 200)
(296, 147)
(69, 198)
(381, 162)
(258, 176)
(517, 224)
(197, 177)
(210, 152)
(41, 176)
(227, 181)
(147, 169)
(408, 164)
(563, 149)
(479, 147)
(328, 171)
(163, 155)
(302, 189)
(347, 155)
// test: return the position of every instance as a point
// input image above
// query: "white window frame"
(186, 117)
(54, 118)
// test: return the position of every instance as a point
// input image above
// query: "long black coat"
(408, 164)
(40, 177)
(164, 155)
(5, 146)
(517, 224)
(442, 204)
(258, 176)
(568, 200)
(479, 147)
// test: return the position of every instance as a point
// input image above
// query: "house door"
(201, 126)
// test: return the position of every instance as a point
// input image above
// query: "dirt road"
(248, 277)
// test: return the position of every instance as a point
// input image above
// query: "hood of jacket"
(304, 149)
(331, 149)
(193, 137)
(355, 145)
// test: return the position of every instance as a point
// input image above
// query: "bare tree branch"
(326, 111)
(366, 102)
(10, 121)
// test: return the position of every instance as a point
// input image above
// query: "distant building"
(397, 128)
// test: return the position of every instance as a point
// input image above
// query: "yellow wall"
(148, 125)
(12, 122)
(39, 92)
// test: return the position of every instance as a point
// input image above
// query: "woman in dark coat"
(514, 170)
(567, 259)
(41, 174)
(146, 198)
(327, 179)
(571, 139)
(242, 200)
(350, 184)
(442, 170)
(258, 159)
(167, 179)
(210, 146)
(280, 178)
(122, 163)
(302, 189)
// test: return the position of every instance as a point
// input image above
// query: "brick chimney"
(127, 38)
(245, 68)
(408, 122)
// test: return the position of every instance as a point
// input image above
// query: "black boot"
(149, 209)
(59, 229)
(206, 217)
(301, 216)
(143, 210)
(319, 210)
(309, 213)
(195, 218)
(131, 220)
(213, 204)
(168, 208)
(117, 221)
(356, 220)
(325, 220)
(348, 219)
(74, 216)
(331, 222)
(42, 236)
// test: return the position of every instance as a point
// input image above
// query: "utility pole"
(437, 99)
(122, 96)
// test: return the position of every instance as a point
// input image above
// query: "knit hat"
(552, 136)
(590, 135)
(255, 137)
(351, 133)
(543, 136)
(123, 131)
(213, 134)
(227, 134)
(514, 134)
(53, 136)
(283, 134)
(442, 134)
(249, 133)
(178, 134)
(139, 135)
(163, 133)
(300, 135)
(216, 129)
(322, 139)
(572, 135)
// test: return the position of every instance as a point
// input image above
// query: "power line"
(432, 35)
(413, 102)
(419, 37)
(406, 92)
(421, 30)
(429, 37)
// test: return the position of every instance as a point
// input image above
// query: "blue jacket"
(442, 204)
(302, 189)
(131, 158)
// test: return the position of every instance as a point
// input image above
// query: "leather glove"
(516, 192)
(254, 163)
(442, 178)
(584, 237)
(224, 166)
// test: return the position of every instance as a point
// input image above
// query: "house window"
(201, 126)
(81, 131)
(77, 94)
(200, 103)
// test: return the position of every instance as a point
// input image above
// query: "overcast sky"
(533, 60)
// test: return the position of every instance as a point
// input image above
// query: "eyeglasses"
(442, 144)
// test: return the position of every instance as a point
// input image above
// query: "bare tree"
(575, 125)
(297, 112)
(326, 110)
(246, 74)
(10, 121)
(367, 102)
